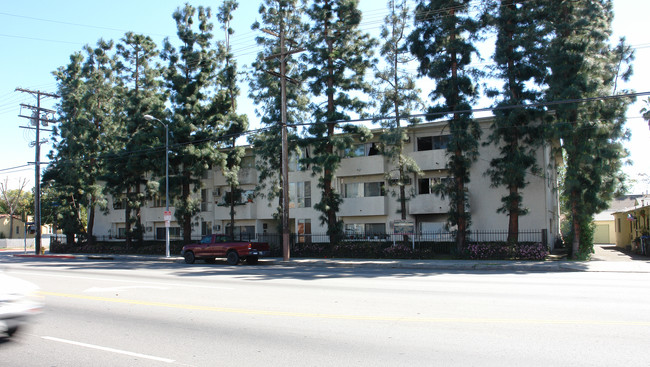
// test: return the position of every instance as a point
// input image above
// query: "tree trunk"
(513, 216)
(91, 220)
(232, 210)
(327, 178)
(127, 218)
(575, 246)
(11, 225)
(187, 218)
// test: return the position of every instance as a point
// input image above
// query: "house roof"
(640, 201)
(622, 204)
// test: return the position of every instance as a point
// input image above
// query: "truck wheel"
(189, 257)
(232, 258)
(251, 260)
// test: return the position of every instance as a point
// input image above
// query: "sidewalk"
(606, 258)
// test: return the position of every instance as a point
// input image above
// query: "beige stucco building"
(363, 180)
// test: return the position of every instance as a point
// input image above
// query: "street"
(137, 313)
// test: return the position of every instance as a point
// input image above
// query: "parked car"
(18, 303)
(213, 246)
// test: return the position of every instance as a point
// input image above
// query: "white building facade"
(368, 204)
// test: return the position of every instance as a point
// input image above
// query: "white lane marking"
(120, 289)
(120, 280)
(106, 349)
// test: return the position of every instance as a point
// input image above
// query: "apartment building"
(363, 180)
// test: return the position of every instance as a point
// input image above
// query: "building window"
(361, 150)
(17, 230)
(300, 194)
(204, 200)
(248, 162)
(206, 228)
(174, 232)
(432, 142)
(304, 230)
(426, 185)
(295, 164)
(363, 189)
(367, 229)
(119, 203)
(158, 202)
(375, 228)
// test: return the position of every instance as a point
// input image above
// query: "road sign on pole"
(167, 215)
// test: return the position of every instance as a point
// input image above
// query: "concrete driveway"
(609, 252)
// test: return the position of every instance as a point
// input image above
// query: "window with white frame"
(204, 200)
(361, 150)
(300, 194)
(295, 163)
(365, 229)
(304, 230)
(426, 184)
(158, 201)
(363, 189)
(432, 142)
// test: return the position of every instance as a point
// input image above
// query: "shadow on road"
(266, 270)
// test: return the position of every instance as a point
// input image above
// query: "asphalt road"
(127, 313)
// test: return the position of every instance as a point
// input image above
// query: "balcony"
(430, 159)
(357, 166)
(428, 204)
(352, 207)
(247, 176)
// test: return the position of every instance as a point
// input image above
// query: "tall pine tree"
(88, 120)
(235, 124)
(443, 43)
(266, 94)
(397, 95)
(517, 131)
(338, 55)
(133, 154)
(196, 117)
(584, 65)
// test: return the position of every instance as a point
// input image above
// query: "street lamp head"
(150, 118)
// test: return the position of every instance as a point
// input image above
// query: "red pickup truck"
(219, 245)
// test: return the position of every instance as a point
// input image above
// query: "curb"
(48, 256)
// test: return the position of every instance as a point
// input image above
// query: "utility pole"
(38, 119)
(285, 145)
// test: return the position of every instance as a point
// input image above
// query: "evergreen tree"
(196, 118)
(397, 95)
(442, 42)
(133, 155)
(227, 95)
(276, 15)
(584, 65)
(517, 132)
(338, 55)
(87, 115)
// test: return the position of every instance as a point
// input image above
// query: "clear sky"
(38, 36)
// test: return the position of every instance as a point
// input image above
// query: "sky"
(38, 36)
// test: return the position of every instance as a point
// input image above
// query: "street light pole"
(151, 118)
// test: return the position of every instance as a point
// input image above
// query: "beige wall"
(540, 196)
(626, 231)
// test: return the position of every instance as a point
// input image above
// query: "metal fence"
(439, 236)
(415, 245)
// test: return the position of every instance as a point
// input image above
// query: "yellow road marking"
(466, 320)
